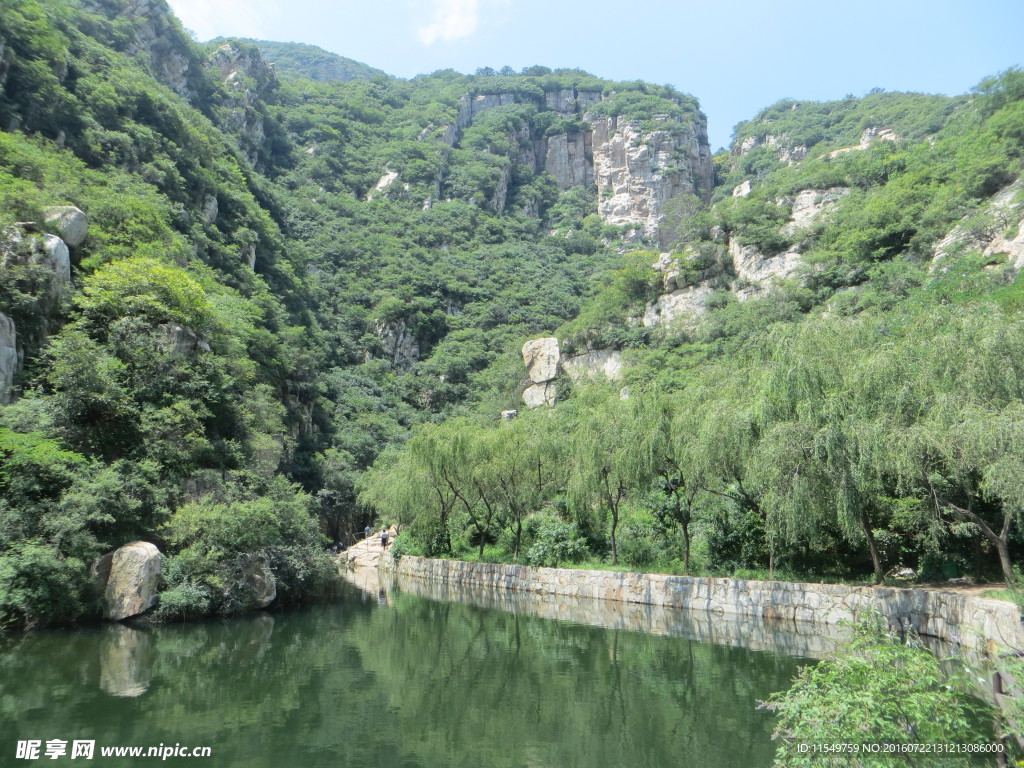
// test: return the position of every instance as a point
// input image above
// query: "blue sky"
(736, 56)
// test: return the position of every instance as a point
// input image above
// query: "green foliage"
(551, 540)
(878, 690)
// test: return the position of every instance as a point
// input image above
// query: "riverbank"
(967, 620)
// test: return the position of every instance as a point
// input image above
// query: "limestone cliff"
(247, 80)
(637, 168)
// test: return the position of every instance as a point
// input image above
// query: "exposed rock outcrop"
(997, 230)
(541, 357)
(8, 357)
(689, 302)
(637, 172)
(400, 344)
(161, 41)
(134, 576)
(866, 137)
(809, 205)
(544, 362)
(180, 340)
(781, 144)
(537, 395)
(593, 364)
(69, 222)
(248, 80)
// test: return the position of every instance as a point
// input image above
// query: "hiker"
(384, 538)
(366, 532)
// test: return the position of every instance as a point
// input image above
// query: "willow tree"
(614, 451)
(815, 458)
(962, 447)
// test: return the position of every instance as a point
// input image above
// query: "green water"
(395, 681)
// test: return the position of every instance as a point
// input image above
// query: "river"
(385, 677)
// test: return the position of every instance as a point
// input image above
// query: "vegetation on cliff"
(291, 278)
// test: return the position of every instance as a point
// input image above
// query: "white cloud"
(229, 18)
(451, 20)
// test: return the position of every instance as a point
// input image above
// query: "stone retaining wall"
(971, 621)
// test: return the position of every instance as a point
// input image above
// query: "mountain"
(241, 309)
(292, 60)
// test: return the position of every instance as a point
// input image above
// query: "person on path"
(366, 532)
(384, 539)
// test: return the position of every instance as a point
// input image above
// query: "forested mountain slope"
(229, 290)
(225, 293)
(822, 375)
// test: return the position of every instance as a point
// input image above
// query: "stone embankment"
(973, 622)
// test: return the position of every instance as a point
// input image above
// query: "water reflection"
(126, 661)
(410, 682)
(775, 636)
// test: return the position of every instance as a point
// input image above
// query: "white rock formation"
(809, 205)
(210, 209)
(637, 172)
(742, 189)
(999, 229)
(537, 395)
(400, 344)
(541, 357)
(69, 222)
(134, 576)
(685, 303)
(180, 340)
(750, 264)
(594, 363)
(866, 137)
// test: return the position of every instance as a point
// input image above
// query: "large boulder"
(69, 222)
(540, 394)
(134, 576)
(541, 357)
(260, 583)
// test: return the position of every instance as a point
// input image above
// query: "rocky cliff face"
(248, 80)
(636, 170)
(997, 230)
(161, 41)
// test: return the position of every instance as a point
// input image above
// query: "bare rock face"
(866, 137)
(134, 576)
(684, 304)
(998, 229)
(637, 172)
(752, 265)
(8, 357)
(810, 204)
(537, 395)
(541, 357)
(594, 363)
(400, 344)
(155, 36)
(69, 222)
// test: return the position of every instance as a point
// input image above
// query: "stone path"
(366, 553)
